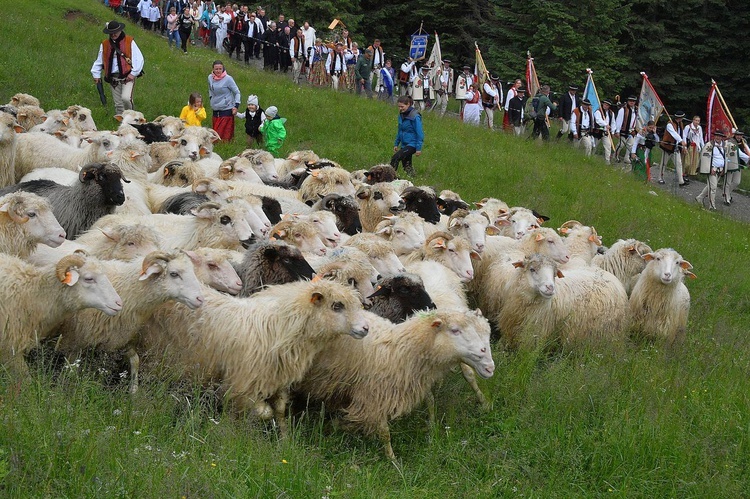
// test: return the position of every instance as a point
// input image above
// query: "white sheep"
(33, 300)
(391, 371)
(473, 225)
(130, 116)
(236, 168)
(324, 181)
(79, 117)
(177, 173)
(21, 99)
(30, 116)
(143, 286)
(193, 143)
(325, 222)
(377, 201)
(379, 251)
(56, 121)
(625, 260)
(350, 267)
(299, 233)
(257, 346)
(25, 221)
(295, 160)
(172, 126)
(405, 232)
(9, 127)
(660, 301)
(582, 241)
(210, 225)
(262, 162)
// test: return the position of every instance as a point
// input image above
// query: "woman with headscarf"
(224, 97)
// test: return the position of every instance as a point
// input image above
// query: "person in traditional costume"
(422, 91)
(516, 111)
(672, 145)
(568, 103)
(739, 155)
(224, 98)
(351, 61)
(462, 87)
(512, 92)
(318, 76)
(714, 166)
(443, 86)
(491, 93)
(119, 63)
(336, 66)
(626, 129)
(693, 137)
(640, 152)
(473, 106)
(581, 125)
(605, 123)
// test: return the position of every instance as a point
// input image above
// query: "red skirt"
(224, 126)
(507, 126)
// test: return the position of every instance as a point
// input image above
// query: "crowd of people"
(339, 63)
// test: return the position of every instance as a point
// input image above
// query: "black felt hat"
(113, 27)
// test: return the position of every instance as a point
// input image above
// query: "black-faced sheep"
(25, 221)
(78, 205)
(380, 173)
(33, 300)
(392, 370)
(267, 263)
(346, 210)
(423, 202)
(660, 301)
(396, 297)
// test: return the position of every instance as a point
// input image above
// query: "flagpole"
(724, 104)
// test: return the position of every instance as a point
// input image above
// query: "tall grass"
(642, 422)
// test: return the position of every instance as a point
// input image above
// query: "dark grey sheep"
(380, 173)
(398, 296)
(448, 206)
(422, 202)
(268, 263)
(346, 210)
(77, 206)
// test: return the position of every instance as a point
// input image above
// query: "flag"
(480, 70)
(436, 57)
(532, 82)
(387, 81)
(418, 46)
(650, 106)
(717, 114)
(590, 93)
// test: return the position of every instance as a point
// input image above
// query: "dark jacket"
(566, 105)
(252, 123)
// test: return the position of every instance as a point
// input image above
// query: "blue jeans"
(174, 35)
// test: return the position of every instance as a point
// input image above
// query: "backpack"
(532, 107)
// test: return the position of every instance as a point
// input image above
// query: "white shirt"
(585, 121)
(309, 35)
(621, 118)
(491, 91)
(602, 120)
(511, 93)
(694, 135)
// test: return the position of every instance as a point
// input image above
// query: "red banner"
(717, 116)
(532, 82)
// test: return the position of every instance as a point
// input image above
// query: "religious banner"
(436, 57)
(532, 82)
(418, 47)
(717, 114)
(480, 69)
(590, 93)
(650, 106)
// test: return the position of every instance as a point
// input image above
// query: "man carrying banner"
(627, 129)
(491, 93)
(672, 145)
(713, 164)
(581, 125)
(406, 75)
(605, 123)
(443, 86)
(378, 61)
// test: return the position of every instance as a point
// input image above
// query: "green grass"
(641, 422)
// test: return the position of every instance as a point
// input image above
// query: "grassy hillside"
(646, 421)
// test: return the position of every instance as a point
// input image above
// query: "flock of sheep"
(270, 277)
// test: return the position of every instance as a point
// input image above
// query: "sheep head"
(66, 269)
(154, 263)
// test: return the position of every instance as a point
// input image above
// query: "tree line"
(680, 45)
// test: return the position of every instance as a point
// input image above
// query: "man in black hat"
(568, 104)
(491, 97)
(119, 63)
(462, 87)
(627, 130)
(581, 126)
(443, 86)
(605, 122)
(515, 110)
(715, 167)
(672, 145)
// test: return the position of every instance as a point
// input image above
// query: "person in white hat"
(119, 63)
(254, 117)
(274, 131)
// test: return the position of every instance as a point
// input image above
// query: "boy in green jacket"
(273, 130)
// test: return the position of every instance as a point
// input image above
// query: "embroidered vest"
(126, 49)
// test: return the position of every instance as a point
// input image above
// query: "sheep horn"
(67, 262)
(570, 224)
(15, 209)
(154, 257)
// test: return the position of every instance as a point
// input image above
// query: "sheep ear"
(203, 151)
(539, 237)
(110, 235)
(281, 234)
(316, 299)
(381, 291)
(491, 230)
(438, 242)
(691, 275)
(541, 220)
(119, 117)
(563, 230)
(475, 256)
(153, 269)
(686, 265)
(453, 222)
(5, 208)
(201, 186)
(363, 193)
(315, 172)
(213, 135)
(135, 155)
(168, 171)
(437, 323)
(384, 230)
(71, 276)
(648, 256)
(518, 264)
(204, 211)
(193, 257)
(477, 312)
(559, 274)
(19, 128)
(501, 221)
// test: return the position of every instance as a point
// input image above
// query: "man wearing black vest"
(672, 146)
(581, 126)
(237, 33)
(626, 127)
(568, 103)
(119, 63)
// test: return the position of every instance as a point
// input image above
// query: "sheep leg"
(384, 433)
(279, 411)
(135, 363)
(471, 378)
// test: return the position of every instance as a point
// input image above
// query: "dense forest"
(680, 45)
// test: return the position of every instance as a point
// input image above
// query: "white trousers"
(122, 95)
